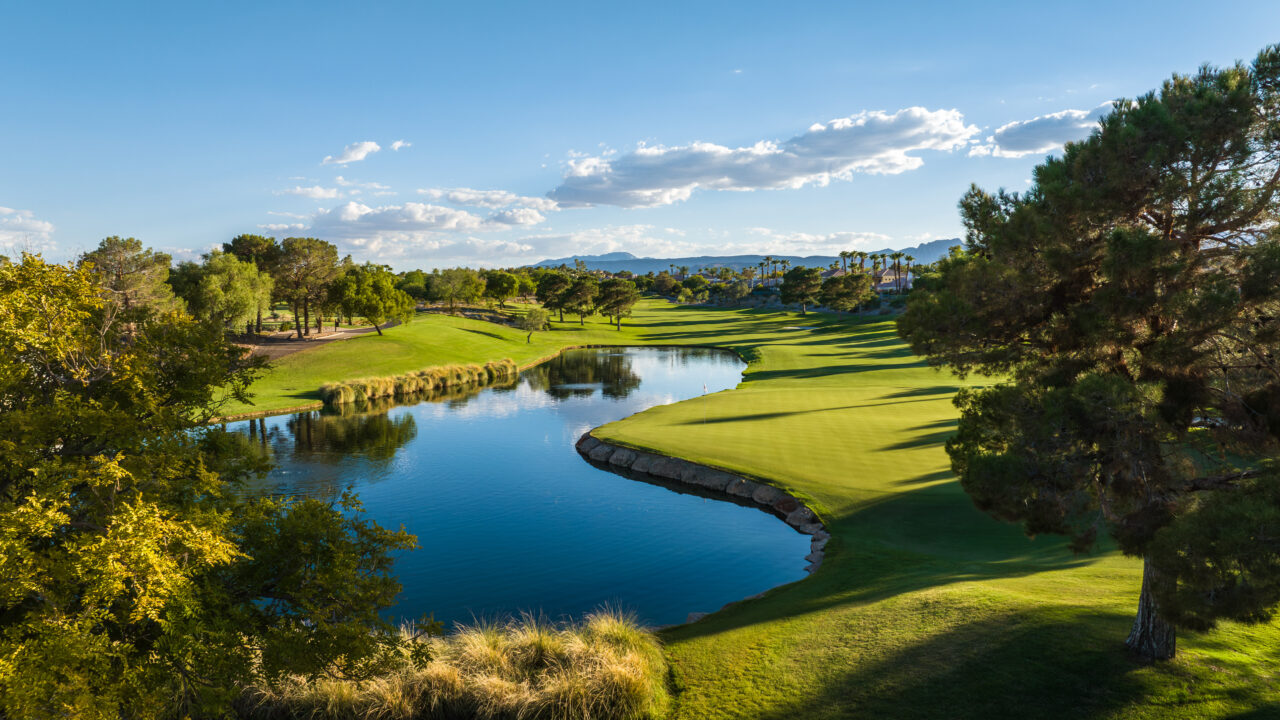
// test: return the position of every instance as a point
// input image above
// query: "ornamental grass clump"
(603, 668)
(421, 382)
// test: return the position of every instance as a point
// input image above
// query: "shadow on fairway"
(1070, 666)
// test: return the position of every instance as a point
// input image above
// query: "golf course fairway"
(924, 607)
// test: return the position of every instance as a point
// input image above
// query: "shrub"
(428, 382)
(604, 667)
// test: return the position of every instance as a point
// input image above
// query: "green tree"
(260, 250)
(137, 579)
(801, 285)
(580, 298)
(455, 285)
(1130, 299)
(617, 298)
(532, 320)
(501, 286)
(735, 291)
(846, 292)
(696, 283)
(663, 284)
(224, 290)
(370, 292)
(414, 284)
(132, 278)
(305, 269)
(552, 289)
(526, 287)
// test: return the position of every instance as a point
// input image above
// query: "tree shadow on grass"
(486, 333)
(937, 437)
(789, 413)
(1055, 663)
(829, 371)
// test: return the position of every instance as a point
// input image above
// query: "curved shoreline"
(319, 404)
(715, 483)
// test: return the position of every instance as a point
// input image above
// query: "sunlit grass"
(607, 666)
(924, 607)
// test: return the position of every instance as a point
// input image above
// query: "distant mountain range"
(618, 261)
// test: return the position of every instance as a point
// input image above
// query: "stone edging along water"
(713, 481)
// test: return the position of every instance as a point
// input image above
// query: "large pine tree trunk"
(306, 315)
(1151, 637)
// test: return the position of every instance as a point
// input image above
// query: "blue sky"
(506, 133)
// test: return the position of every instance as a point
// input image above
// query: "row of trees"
(583, 294)
(241, 281)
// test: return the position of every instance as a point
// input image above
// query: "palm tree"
(909, 260)
(897, 270)
(862, 261)
(768, 260)
(684, 271)
(748, 274)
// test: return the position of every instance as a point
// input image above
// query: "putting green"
(924, 607)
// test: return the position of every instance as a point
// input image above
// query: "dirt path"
(275, 345)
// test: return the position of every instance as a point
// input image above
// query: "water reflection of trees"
(579, 373)
(376, 435)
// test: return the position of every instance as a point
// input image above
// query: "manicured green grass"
(924, 607)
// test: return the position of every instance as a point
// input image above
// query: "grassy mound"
(420, 382)
(605, 667)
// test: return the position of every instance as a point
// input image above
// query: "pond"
(511, 519)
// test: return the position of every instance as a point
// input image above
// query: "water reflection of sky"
(510, 518)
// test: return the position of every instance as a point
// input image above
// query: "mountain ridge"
(617, 261)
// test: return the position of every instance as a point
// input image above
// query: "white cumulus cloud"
(315, 192)
(1041, 134)
(22, 230)
(354, 219)
(354, 152)
(493, 199)
(400, 144)
(872, 142)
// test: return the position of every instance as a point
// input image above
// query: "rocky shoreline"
(712, 482)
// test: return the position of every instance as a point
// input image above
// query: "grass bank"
(924, 607)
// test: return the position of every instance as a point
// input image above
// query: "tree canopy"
(305, 268)
(552, 289)
(847, 292)
(370, 292)
(501, 286)
(137, 580)
(580, 297)
(456, 285)
(1130, 301)
(616, 299)
(132, 278)
(224, 290)
(801, 286)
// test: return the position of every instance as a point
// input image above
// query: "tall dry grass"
(603, 668)
(422, 382)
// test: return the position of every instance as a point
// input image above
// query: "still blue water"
(510, 518)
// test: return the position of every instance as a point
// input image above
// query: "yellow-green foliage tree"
(135, 579)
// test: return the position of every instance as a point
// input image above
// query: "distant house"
(882, 281)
